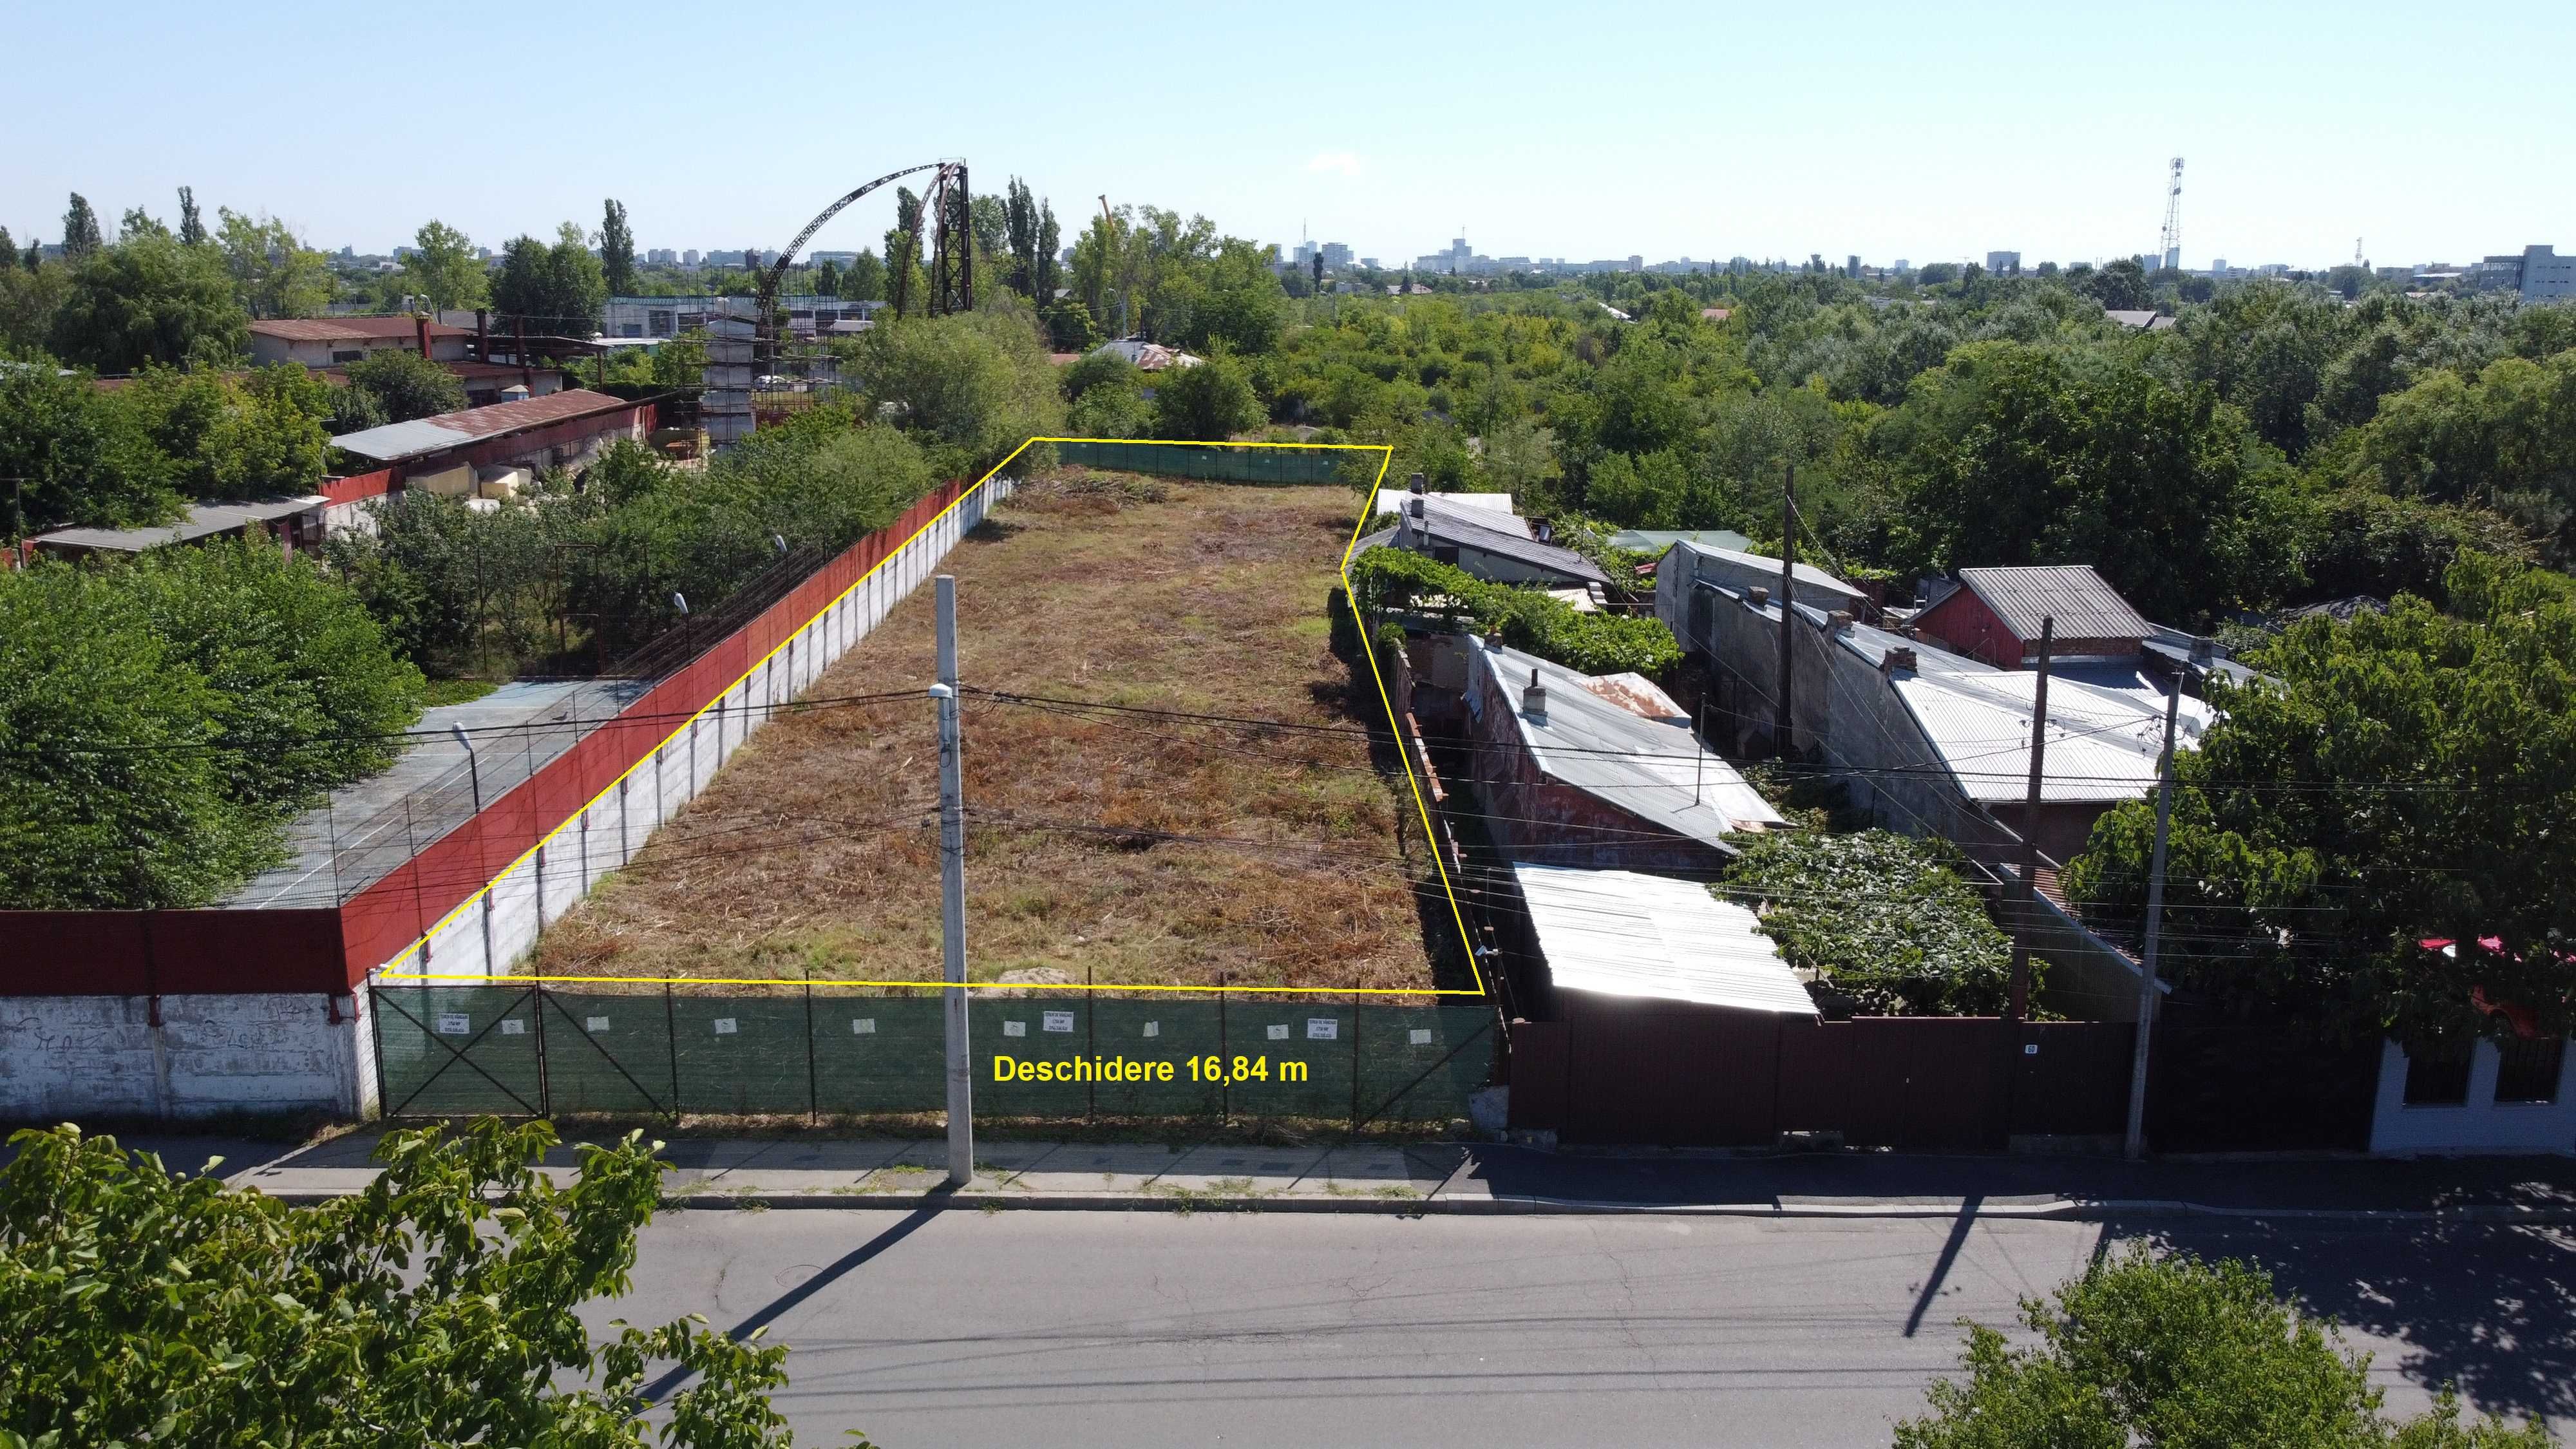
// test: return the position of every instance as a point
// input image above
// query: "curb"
(2062, 1210)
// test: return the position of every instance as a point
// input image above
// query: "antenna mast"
(2169, 245)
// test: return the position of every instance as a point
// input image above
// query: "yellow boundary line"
(1395, 725)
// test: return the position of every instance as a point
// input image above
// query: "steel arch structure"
(952, 265)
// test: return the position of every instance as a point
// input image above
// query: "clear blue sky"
(1921, 131)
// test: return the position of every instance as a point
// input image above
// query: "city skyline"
(1673, 134)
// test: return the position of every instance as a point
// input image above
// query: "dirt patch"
(1113, 847)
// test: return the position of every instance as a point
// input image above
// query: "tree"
(150, 300)
(866, 279)
(443, 269)
(616, 250)
(80, 230)
(2020, 458)
(2505, 439)
(827, 279)
(2121, 286)
(2167, 1350)
(231, 439)
(441, 1306)
(405, 385)
(138, 222)
(274, 274)
(1211, 401)
(970, 386)
(559, 289)
(1020, 225)
(2405, 779)
(192, 227)
(77, 457)
(8, 250)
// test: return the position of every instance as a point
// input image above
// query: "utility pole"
(952, 895)
(1781, 728)
(2155, 924)
(2019, 1007)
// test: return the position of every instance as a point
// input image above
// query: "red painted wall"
(125, 953)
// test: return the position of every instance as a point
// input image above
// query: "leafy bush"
(1882, 918)
(2149, 1348)
(161, 719)
(1212, 401)
(969, 387)
(405, 385)
(1394, 578)
(440, 1306)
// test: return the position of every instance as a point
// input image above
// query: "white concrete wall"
(488, 933)
(2479, 1124)
(72, 1057)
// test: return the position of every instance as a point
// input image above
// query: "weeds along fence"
(540, 1051)
(1223, 463)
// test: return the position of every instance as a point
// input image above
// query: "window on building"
(337, 358)
(2529, 1069)
(2437, 1073)
(1444, 553)
(657, 324)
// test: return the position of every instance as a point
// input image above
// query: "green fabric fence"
(537, 1051)
(1236, 463)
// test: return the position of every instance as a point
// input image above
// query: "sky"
(1706, 130)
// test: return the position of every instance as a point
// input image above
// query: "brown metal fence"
(1621, 1071)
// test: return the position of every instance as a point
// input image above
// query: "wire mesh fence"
(1227, 463)
(534, 1050)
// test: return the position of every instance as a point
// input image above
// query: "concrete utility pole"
(1781, 727)
(952, 895)
(2155, 924)
(2019, 1007)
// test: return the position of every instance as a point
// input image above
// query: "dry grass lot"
(815, 851)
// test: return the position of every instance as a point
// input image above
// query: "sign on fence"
(538, 1051)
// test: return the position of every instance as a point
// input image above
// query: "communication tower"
(2169, 246)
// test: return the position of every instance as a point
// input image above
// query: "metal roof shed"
(1622, 933)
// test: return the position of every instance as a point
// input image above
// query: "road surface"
(1151, 1328)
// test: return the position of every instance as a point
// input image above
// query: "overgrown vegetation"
(160, 720)
(2164, 1349)
(1531, 621)
(442, 1305)
(1887, 921)
(591, 571)
(2409, 778)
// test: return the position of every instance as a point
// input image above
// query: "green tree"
(76, 456)
(30, 297)
(149, 301)
(2121, 286)
(138, 222)
(2404, 780)
(2505, 440)
(441, 1306)
(970, 387)
(616, 250)
(8, 251)
(274, 274)
(1211, 401)
(443, 269)
(405, 385)
(2169, 1351)
(230, 439)
(192, 226)
(558, 290)
(81, 236)
(866, 279)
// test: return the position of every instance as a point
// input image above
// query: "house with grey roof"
(1600, 771)
(1996, 614)
(1487, 544)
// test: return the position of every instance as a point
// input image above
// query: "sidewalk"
(1486, 1178)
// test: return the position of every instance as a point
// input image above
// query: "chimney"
(1534, 700)
(1546, 531)
(1415, 483)
(421, 326)
(1758, 596)
(1493, 636)
(1837, 621)
(1896, 659)
(482, 334)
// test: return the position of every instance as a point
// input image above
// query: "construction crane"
(2169, 245)
(952, 266)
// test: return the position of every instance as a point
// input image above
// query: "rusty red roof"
(423, 436)
(341, 329)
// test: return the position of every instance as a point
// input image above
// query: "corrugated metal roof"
(336, 329)
(1621, 933)
(2084, 605)
(1808, 576)
(2102, 742)
(1651, 767)
(204, 520)
(1508, 538)
(1656, 540)
(1391, 500)
(396, 441)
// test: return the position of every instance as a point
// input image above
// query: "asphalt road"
(1148, 1328)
